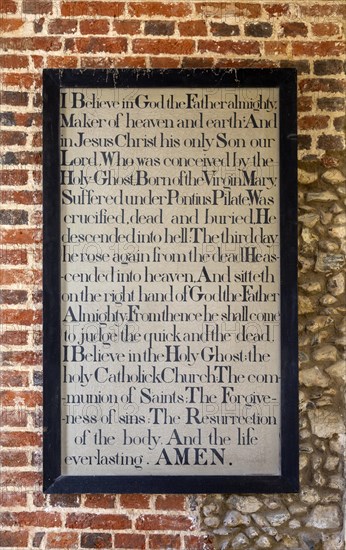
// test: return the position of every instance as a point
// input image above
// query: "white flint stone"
(336, 284)
(325, 423)
(333, 176)
(324, 517)
(306, 178)
(212, 521)
(309, 220)
(328, 300)
(323, 196)
(240, 541)
(245, 505)
(263, 542)
(278, 517)
(325, 353)
(312, 287)
(340, 219)
(309, 495)
(235, 518)
(314, 377)
(329, 262)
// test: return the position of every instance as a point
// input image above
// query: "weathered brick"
(99, 501)
(10, 24)
(38, 518)
(99, 521)
(65, 500)
(14, 338)
(304, 103)
(18, 99)
(9, 296)
(64, 61)
(21, 197)
(94, 27)
(160, 522)
(318, 49)
(14, 419)
(12, 378)
(173, 46)
(96, 540)
(21, 480)
(276, 9)
(321, 85)
(45, 43)
(159, 541)
(326, 29)
(323, 67)
(14, 539)
(121, 62)
(22, 157)
(275, 48)
(224, 29)
(330, 142)
(170, 502)
(100, 9)
(339, 123)
(197, 62)
(302, 67)
(13, 217)
(20, 439)
(152, 9)
(13, 459)
(63, 26)
(231, 9)
(134, 501)
(260, 30)
(127, 27)
(331, 103)
(8, 6)
(312, 122)
(9, 499)
(20, 276)
(21, 80)
(37, 6)
(96, 45)
(322, 10)
(13, 256)
(304, 142)
(159, 28)
(62, 540)
(229, 46)
(21, 317)
(13, 177)
(192, 28)
(199, 542)
(294, 29)
(164, 62)
(129, 540)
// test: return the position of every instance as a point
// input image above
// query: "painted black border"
(285, 79)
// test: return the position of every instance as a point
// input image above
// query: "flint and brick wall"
(308, 35)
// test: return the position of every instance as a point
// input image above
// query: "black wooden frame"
(53, 81)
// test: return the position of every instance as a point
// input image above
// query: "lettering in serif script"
(170, 290)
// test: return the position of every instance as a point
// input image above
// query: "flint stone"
(326, 353)
(325, 517)
(314, 377)
(234, 518)
(306, 178)
(323, 196)
(278, 517)
(336, 284)
(333, 176)
(245, 505)
(240, 541)
(329, 262)
(325, 423)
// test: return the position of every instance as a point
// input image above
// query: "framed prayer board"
(170, 288)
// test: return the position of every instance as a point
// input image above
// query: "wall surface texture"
(70, 33)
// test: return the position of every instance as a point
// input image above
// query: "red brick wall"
(69, 33)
